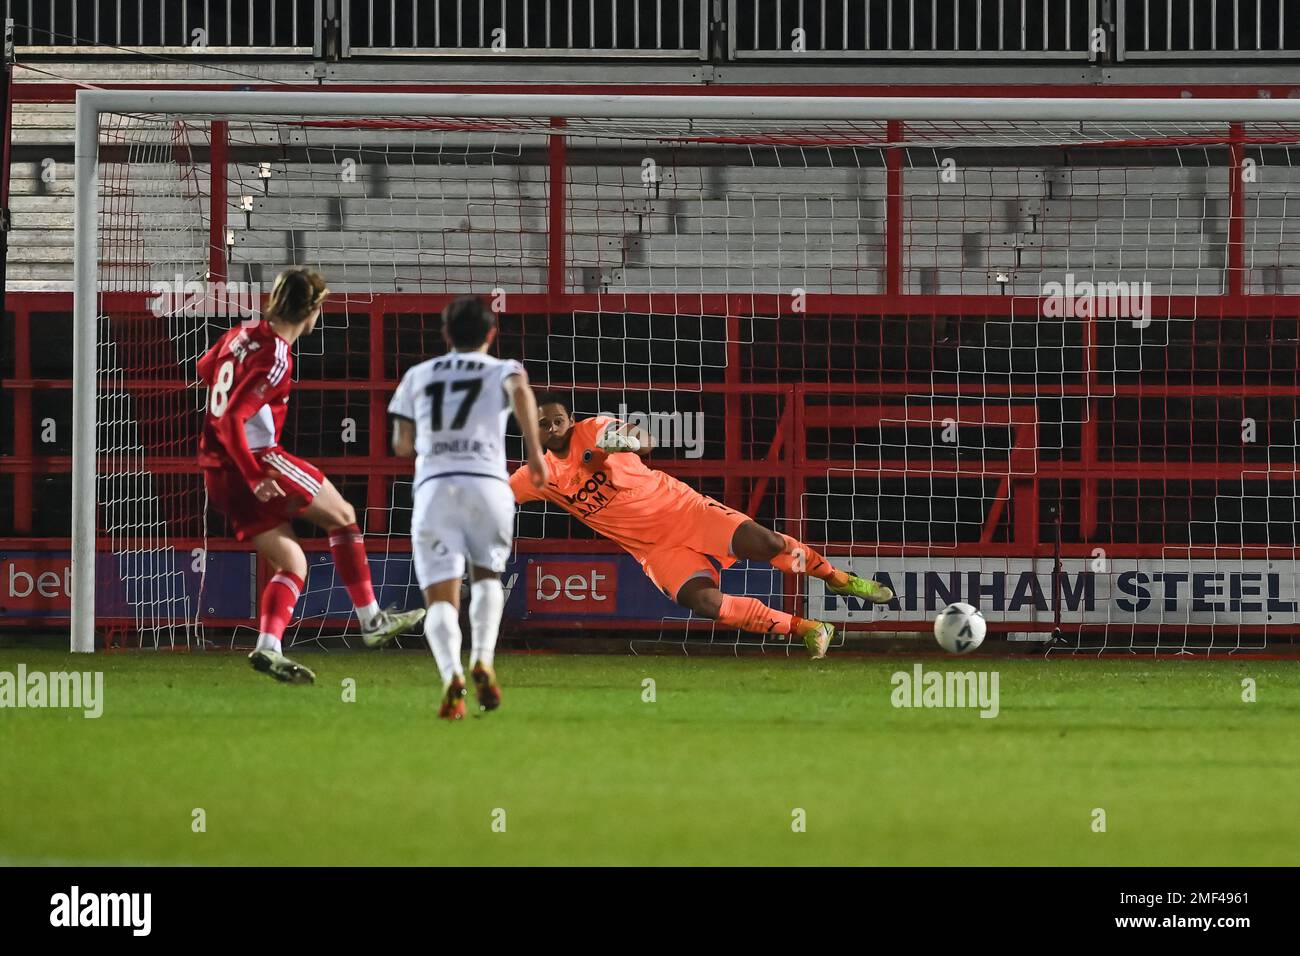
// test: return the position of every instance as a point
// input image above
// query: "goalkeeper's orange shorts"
(695, 543)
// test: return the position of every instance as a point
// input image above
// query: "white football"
(959, 628)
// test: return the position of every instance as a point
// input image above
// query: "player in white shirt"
(450, 414)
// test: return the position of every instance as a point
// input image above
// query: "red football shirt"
(248, 373)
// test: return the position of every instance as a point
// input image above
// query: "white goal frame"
(217, 105)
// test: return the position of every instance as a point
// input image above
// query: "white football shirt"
(459, 406)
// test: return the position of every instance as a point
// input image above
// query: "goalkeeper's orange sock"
(751, 614)
(276, 610)
(348, 547)
(798, 558)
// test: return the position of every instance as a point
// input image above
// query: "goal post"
(728, 291)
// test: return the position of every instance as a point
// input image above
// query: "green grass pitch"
(711, 772)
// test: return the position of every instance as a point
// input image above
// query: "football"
(959, 628)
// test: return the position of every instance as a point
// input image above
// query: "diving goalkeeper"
(676, 533)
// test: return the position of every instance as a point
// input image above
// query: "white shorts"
(457, 517)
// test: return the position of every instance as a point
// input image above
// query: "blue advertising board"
(223, 585)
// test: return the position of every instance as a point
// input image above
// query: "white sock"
(442, 631)
(268, 642)
(368, 613)
(487, 599)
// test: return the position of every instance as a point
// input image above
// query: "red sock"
(278, 600)
(798, 558)
(349, 550)
(751, 614)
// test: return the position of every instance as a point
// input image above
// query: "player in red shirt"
(260, 487)
(676, 533)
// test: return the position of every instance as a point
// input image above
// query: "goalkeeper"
(676, 533)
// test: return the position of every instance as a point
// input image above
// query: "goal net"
(1039, 356)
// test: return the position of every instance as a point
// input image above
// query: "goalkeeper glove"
(611, 439)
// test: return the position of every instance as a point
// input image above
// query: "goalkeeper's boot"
(453, 700)
(486, 687)
(816, 636)
(863, 588)
(387, 624)
(274, 664)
